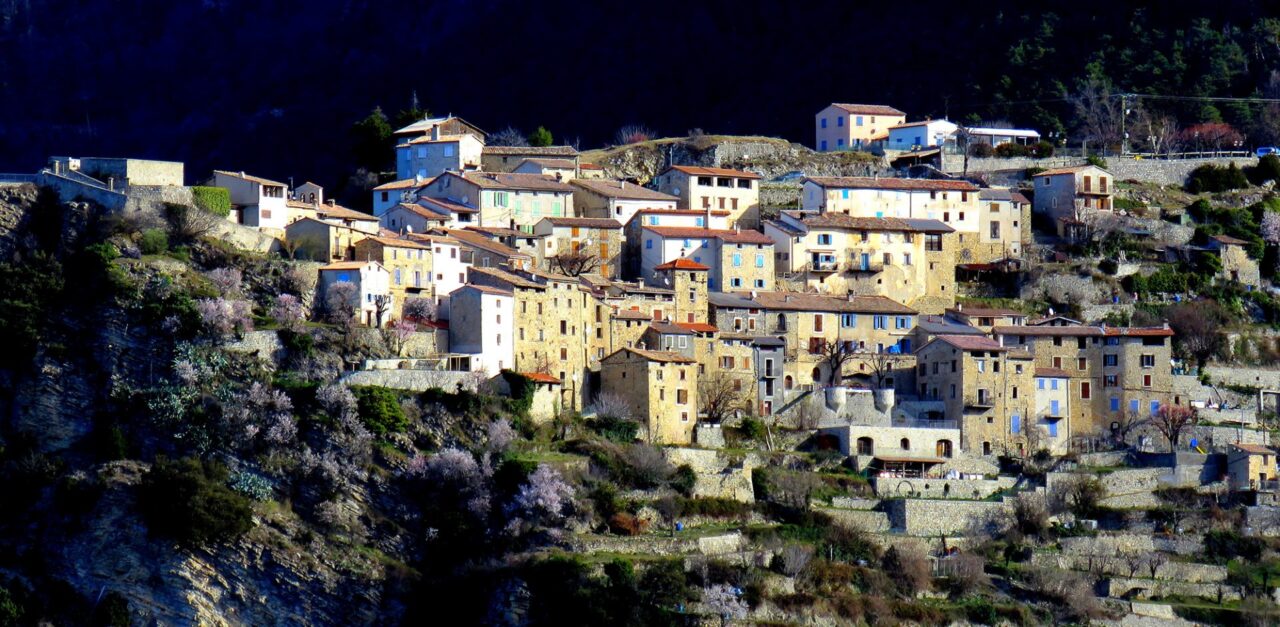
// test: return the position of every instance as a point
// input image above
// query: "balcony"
(857, 267)
(981, 402)
(822, 266)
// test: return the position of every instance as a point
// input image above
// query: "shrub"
(1010, 149)
(1212, 179)
(189, 500)
(379, 409)
(1224, 545)
(620, 430)
(714, 507)
(981, 150)
(1268, 169)
(625, 524)
(911, 570)
(1095, 160)
(1041, 149)
(153, 242)
(684, 479)
(215, 200)
(752, 428)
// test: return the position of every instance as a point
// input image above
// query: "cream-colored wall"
(956, 209)
(692, 195)
(850, 132)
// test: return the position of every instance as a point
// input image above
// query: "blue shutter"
(1115, 404)
(1155, 407)
(1015, 425)
(1133, 405)
(1053, 428)
(1053, 408)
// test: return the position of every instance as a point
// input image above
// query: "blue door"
(1016, 424)
(1155, 407)
(1053, 408)
(866, 261)
(1053, 428)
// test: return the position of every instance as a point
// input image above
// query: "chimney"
(435, 132)
(329, 202)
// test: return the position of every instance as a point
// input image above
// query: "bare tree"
(1099, 112)
(187, 223)
(339, 301)
(1126, 423)
(1198, 329)
(1172, 420)
(835, 355)
(633, 134)
(883, 365)
(722, 394)
(289, 248)
(575, 263)
(1156, 560)
(381, 308)
(510, 136)
(1158, 132)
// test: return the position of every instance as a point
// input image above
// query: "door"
(943, 449)
(866, 261)
(1053, 428)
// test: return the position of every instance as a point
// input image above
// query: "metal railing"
(822, 266)
(924, 423)
(7, 177)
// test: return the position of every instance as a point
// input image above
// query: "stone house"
(1000, 225)
(953, 202)
(921, 134)
(323, 241)
(1236, 264)
(507, 158)
(632, 238)
(486, 252)
(737, 313)
(372, 299)
(688, 281)
(547, 391)
(984, 318)
(1251, 467)
(342, 216)
(121, 173)
(255, 201)
(515, 201)
(986, 389)
(581, 239)
(407, 261)
(388, 195)
(737, 260)
(309, 193)
(931, 326)
(482, 326)
(406, 218)
(656, 303)
(619, 200)
(447, 125)
(735, 191)
(1113, 371)
(1068, 195)
(625, 329)
(661, 389)
(555, 325)
(841, 126)
(875, 329)
(434, 154)
(1053, 408)
(908, 259)
(559, 169)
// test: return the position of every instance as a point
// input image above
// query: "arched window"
(866, 446)
(905, 444)
(788, 382)
(782, 322)
(943, 448)
(817, 375)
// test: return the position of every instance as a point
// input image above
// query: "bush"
(1212, 179)
(380, 410)
(189, 500)
(618, 430)
(1096, 161)
(1224, 545)
(1268, 169)
(684, 479)
(1041, 149)
(1010, 149)
(752, 428)
(153, 242)
(714, 507)
(981, 150)
(215, 200)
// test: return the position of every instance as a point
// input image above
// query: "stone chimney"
(435, 132)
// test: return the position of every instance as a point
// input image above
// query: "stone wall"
(265, 343)
(414, 380)
(1129, 543)
(1166, 172)
(1117, 565)
(1263, 520)
(780, 195)
(866, 520)
(69, 189)
(932, 517)
(1152, 588)
(961, 489)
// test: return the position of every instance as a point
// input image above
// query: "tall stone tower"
(689, 280)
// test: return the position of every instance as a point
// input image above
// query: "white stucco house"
(922, 134)
(483, 325)
(257, 201)
(371, 280)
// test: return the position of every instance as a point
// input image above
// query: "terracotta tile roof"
(403, 184)
(621, 189)
(513, 181)
(590, 223)
(1253, 449)
(540, 377)
(433, 238)
(701, 171)
(487, 289)
(698, 327)
(745, 236)
(421, 211)
(659, 356)
(448, 205)
(971, 342)
(1056, 373)
(1068, 170)
(868, 109)
(396, 242)
(919, 123)
(252, 179)
(532, 151)
(297, 204)
(589, 166)
(869, 182)
(1048, 319)
(682, 212)
(803, 301)
(681, 264)
(831, 220)
(553, 164)
(345, 265)
(1138, 331)
(342, 213)
(514, 280)
(1082, 331)
(498, 231)
(478, 240)
(667, 328)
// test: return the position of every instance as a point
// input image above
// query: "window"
(1112, 341)
(1082, 363)
(902, 322)
(737, 260)
(995, 230)
(1057, 362)
(1115, 403)
(849, 321)
(880, 322)
(1080, 343)
(1110, 361)
(1155, 407)
(1085, 390)
(1146, 380)
(1148, 361)
(648, 244)
(735, 282)
(824, 239)
(1015, 424)
(1133, 405)
(822, 122)
(906, 259)
(1015, 391)
(839, 120)
(817, 323)
(704, 181)
(1110, 381)
(1039, 384)
(759, 261)
(1053, 384)
(760, 283)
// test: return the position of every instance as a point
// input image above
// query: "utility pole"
(1124, 115)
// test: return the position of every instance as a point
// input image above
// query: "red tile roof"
(1230, 241)
(659, 356)
(248, 177)
(403, 184)
(971, 342)
(682, 264)
(421, 211)
(746, 236)
(803, 301)
(868, 109)
(831, 220)
(1253, 449)
(621, 189)
(1057, 373)
(539, 377)
(985, 312)
(1068, 170)
(590, 223)
(698, 327)
(869, 182)
(702, 171)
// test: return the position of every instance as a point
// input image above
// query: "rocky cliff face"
(765, 156)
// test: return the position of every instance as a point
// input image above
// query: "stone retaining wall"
(962, 489)
(1117, 566)
(866, 520)
(415, 380)
(1153, 588)
(265, 342)
(930, 517)
(1170, 172)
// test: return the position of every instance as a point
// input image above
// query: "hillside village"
(943, 376)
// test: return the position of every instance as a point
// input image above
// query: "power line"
(1202, 98)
